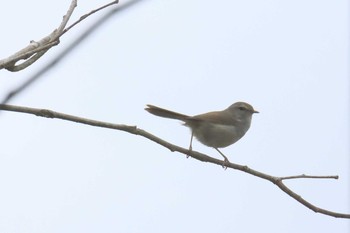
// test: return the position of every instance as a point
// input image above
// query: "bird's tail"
(165, 113)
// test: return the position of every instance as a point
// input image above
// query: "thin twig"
(87, 15)
(199, 156)
(303, 176)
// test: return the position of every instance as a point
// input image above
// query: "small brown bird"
(214, 129)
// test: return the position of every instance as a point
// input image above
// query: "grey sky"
(289, 59)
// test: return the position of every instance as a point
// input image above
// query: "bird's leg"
(190, 148)
(226, 161)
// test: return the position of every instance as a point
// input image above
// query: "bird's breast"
(218, 136)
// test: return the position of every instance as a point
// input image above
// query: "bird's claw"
(190, 150)
(225, 163)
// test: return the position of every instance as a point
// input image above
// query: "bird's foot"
(189, 153)
(225, 163)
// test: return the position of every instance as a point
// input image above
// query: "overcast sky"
(288, 59)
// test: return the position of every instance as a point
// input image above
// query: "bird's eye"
(241, 108)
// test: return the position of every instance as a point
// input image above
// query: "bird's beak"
(255, 111)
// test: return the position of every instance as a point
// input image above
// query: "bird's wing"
(214, 117)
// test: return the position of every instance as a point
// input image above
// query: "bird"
(217, 129)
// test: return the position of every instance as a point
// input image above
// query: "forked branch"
(36, 49)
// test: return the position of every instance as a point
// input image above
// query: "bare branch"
(58, 32)
(278, 181)
(66, 51)
(36, 49)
